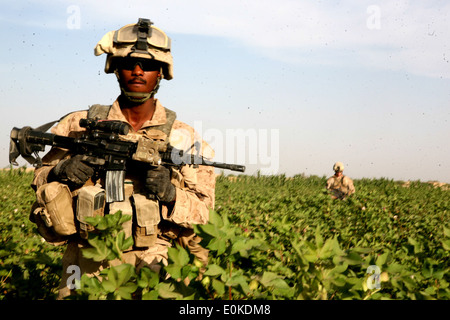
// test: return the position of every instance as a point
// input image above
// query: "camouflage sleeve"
(350, 186)
(69, 126)
(196, 196)
(194, 201)
(329, 183)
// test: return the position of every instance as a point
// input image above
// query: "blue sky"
(307, 83)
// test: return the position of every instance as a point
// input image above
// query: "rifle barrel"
(233, 167)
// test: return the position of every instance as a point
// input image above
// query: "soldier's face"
(138, 76)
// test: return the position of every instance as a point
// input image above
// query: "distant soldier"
(339, 185)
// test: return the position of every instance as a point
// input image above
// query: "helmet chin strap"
(139, 97)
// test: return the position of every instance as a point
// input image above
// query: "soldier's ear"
(116, 72)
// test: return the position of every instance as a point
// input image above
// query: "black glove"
(74, 170)
(157, 182)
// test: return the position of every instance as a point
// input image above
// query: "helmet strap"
(139, 97)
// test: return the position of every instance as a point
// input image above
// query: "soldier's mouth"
(137, 81)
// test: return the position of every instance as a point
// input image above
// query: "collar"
(159, 116)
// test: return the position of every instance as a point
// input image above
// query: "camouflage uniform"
(195, 195)
(340, 187)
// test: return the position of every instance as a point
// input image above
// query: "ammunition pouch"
(90, 203)
(145, 216)
(53, 213)
(145, 230)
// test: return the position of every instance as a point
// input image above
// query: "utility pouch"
(48, 233)
(53, 212)
(90, 203)
(145, 230)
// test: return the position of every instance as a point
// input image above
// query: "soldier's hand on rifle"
(157, 182)
(75, 170)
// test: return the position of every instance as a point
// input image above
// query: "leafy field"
(271, 237)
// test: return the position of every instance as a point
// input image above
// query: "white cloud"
(411, 36)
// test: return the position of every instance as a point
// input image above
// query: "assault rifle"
(101, 140)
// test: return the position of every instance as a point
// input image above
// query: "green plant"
(271, 237)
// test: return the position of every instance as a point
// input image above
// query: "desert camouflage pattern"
(158, 48)
(340, 187)
(198, 193)
(195, 191)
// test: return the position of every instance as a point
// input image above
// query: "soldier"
(140, 56)
(339, 185)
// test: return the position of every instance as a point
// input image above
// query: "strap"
(167, 127)
(98, 111)
(101, 112)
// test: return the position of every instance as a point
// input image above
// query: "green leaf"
(109, 285)
(179, 256)
(340, 268)
(215, 218)
(124, 218)
(439, 274)
(127, 243)
(120, 239)
(91, 285)
(125, 272)
(267, 278)
(126, 291)
(218, 286)
(147, 278)
(218, 245)
(174, 271)
(237, 279)
(339, 281)
(98, 252)
(446, 244)
(214, 270)
(209, 229)
(310, 257)
(167, 291)
(186, 271)
(319, 238)
(395, 268)
(112, 220)
(427, 272)
(93, 221)
(353, 258)
(381, 259)
(241, 246)
(447, 232)
(278, 285)
(151, 295)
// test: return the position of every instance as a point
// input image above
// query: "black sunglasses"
(129, 63)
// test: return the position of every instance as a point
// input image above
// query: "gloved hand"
(157, 182)
(74, 170)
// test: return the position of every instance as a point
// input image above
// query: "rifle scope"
(110, 126)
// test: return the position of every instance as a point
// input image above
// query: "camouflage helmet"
(338, 167)
(139, 40)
